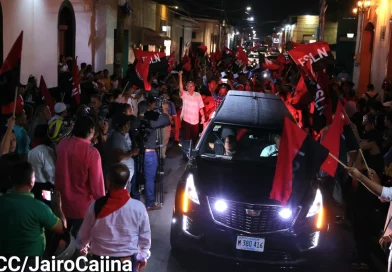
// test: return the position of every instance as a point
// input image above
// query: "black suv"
(222, 205)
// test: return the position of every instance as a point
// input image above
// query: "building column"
(365, 59)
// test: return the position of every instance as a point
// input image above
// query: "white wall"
(180, 28)
(106, 23)
(381, 48)
(38, 19)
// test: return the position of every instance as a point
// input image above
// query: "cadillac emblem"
(252, 212)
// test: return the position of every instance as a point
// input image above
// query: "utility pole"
(121, 15)
(323, 9)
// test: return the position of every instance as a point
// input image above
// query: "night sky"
(275, 10)
(264, 11)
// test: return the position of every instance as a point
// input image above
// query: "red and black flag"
(142, 70)
(170, 62)
(306, 56)
(297, 152)
(339, 139)
(242, 58)
(187, 66)
(158, 60)
(186, 57)
(46, 94)
(10, 78)
(318, 53)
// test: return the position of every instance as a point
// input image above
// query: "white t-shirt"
(43, 159)
(135, 103)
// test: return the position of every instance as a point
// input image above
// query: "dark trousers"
(74, 226)
(363, 207)
(190, 132)
(132, 258)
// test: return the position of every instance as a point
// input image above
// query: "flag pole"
(363, 158)
(15, 100)
(336, 159)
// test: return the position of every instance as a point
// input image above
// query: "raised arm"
(180, 83)
(5, 144)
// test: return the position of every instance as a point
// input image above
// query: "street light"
(248, 8)
(362, 6)
(251, 19)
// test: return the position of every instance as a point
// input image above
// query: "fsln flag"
(294, 142)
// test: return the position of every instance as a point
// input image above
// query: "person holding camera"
(145, 126)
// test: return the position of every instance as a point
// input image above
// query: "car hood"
(248, 182)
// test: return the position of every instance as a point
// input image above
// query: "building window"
(193, 35)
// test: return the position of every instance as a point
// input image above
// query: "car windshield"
(239, 143)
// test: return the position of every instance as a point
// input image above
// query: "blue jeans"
(150, 171)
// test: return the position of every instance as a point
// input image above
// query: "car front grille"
(236, 217)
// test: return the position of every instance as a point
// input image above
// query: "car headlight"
(285, 213)
(317, 205)
(220, 206)
(190, 193)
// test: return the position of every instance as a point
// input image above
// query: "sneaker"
(154, 208)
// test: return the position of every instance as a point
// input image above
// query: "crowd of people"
(99, 155)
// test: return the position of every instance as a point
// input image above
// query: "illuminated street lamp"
(362, 7)
(248, 8)
(251, 19)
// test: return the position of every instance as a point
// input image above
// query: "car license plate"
(250, 243)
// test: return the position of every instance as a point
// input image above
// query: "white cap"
(223, 74)
(235, 75)
(59, 107)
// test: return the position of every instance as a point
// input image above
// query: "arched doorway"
(66, 46)
(366, 58)
(1, 36)
(66, 30)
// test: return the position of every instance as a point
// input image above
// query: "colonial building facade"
(87, 29)
(373, 59)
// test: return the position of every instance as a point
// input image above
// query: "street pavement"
(336, 259)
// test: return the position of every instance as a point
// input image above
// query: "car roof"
(253, 109)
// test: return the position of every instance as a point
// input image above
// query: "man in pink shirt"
(79, 175)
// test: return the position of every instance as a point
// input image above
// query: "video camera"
(160, 100)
